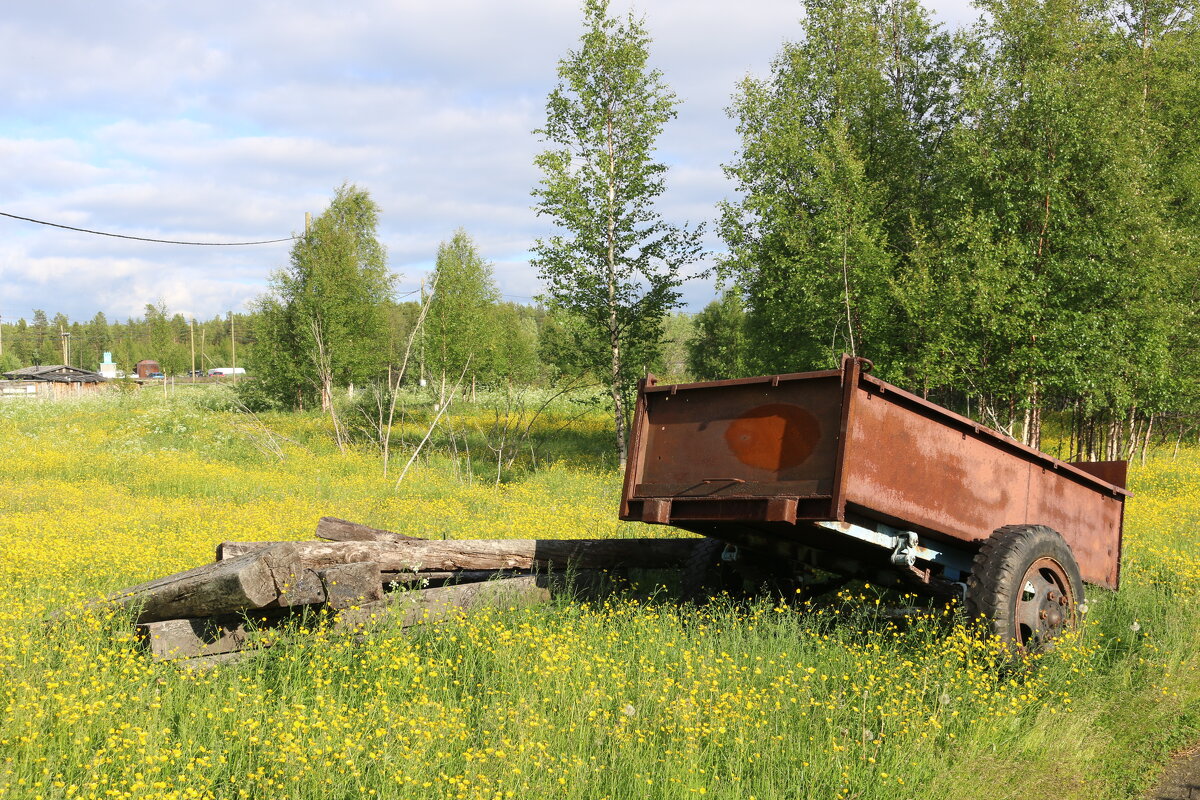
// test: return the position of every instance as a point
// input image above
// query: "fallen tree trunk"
(420, 555)
(250, 581)
(347, 585)
(202, 638)
(425, 606)
(193, 638)
(456, 576)
(341, 530)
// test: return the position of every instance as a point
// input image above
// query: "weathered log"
(419, 555)
(200, 640)
(206, 636)
(203, 663)
(341, 530)
(457, 576)
(347, 585)
(306, 589)
(423, 606)
(250, 581)
(228, 550)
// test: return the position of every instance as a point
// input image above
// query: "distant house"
(58, 373)
(52, 380)
(146, 368)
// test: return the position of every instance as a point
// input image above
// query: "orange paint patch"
(773, 437)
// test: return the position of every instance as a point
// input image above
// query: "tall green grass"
(633, 696)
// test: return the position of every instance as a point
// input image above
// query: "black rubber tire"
(705, 574)
(1025, 584)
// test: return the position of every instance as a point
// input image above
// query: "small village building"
(50, 381)
(145, 368)
(109, 369)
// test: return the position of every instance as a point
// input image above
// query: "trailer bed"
(773, 454)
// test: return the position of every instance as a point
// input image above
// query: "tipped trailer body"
(842, 471)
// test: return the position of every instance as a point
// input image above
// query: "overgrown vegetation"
(626, 698)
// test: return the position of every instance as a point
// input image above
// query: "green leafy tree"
(42, 348)
(615, 266)
(717, 347)
(834, 173)
(322, 323)
(514, 357)
(460, 329)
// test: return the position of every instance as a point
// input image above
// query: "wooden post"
(233, 344)
(192, 339)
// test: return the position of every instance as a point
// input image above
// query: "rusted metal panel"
(777, 452)
(725, 439)
(637, 450)
(1114, 472)
(962, 482)
(851, 370)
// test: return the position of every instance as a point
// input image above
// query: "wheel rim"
(1045, 604)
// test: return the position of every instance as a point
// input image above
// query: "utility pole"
(421, 374)
(66, 345)
(307, 222)
(233, 344)
(192, 339)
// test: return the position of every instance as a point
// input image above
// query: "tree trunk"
(614, 330)
(340, 530)
(252, 580)
(419, 555)
(618, 400)
(1146, 438)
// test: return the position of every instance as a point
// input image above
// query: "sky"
(226, 121)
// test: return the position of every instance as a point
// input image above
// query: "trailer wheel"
(1026, 585)
(705, 574)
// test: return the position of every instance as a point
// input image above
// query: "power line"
(143, 238)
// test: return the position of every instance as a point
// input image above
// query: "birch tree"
(614, 262)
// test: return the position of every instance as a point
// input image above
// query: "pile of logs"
(208, 614)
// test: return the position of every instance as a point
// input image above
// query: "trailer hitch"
(907, 549)
(904, 553)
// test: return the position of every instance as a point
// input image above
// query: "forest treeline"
(1004, 218)
(518, 343)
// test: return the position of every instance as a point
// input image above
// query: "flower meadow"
(629, 696)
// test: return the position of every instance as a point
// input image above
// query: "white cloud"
(227, 121)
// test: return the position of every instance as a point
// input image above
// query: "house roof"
(60, 373)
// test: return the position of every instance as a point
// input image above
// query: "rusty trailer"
(842, 472)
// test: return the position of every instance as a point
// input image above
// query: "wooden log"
(198, 639)
(435, 577)
(192, 638)
(347, 585)
(203, 663)
(341, 530)
(419, 555)
(228, 550)
(306, 590)
(250, 581)
(424, 606)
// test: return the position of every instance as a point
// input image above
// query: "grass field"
(634, 697)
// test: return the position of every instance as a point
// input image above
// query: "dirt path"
(1181, 779)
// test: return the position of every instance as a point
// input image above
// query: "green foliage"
(717, 349)
(460, 330)
(322, 322)
(615, 267)
(1009, 216)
